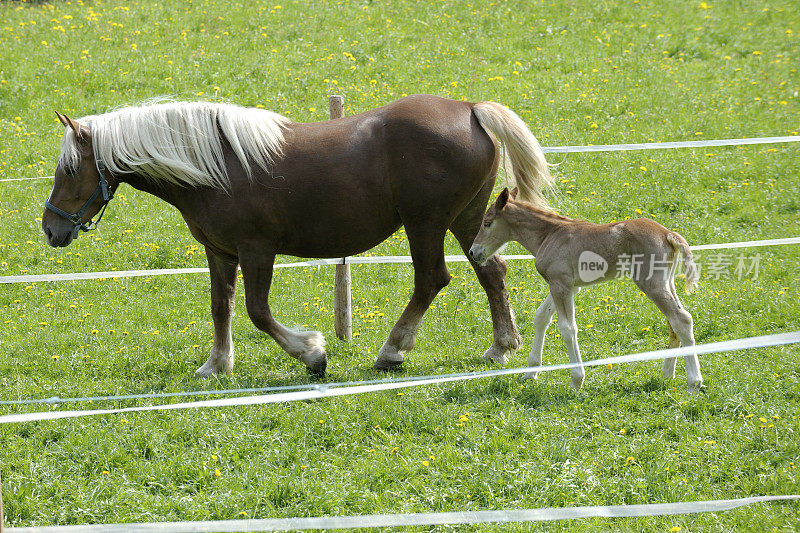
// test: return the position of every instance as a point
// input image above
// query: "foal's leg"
(308, 346)
(492, 277)
(223, 291)
(541, 321)
(680, 321)
(430, 276)
(563, 298)
(669, 363)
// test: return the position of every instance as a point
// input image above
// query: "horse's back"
(342, 186)
(438, 152)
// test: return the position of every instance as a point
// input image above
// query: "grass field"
(578, 73)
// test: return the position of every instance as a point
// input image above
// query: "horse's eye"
(487, 224)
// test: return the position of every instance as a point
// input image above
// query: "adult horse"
(251, 184)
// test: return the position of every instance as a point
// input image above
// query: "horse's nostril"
(471, 253)
(48, 233)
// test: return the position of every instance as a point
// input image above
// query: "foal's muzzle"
(478, 254)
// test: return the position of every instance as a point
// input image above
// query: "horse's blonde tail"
(529, 169)
(681, 247)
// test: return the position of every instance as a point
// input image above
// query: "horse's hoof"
(496, 355)
(384, 365)
(389, 358)
(530, 375)
(316, 361)
(203, 372)
(210, 369)
(318, 371)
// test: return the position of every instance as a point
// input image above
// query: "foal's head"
(495, 230)
(76, 180)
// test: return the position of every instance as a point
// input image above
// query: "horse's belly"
(338, 237)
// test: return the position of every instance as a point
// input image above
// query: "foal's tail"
(528, 165)
(681, 247)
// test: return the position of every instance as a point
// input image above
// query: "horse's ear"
(502, 200)
(514, 193)
(81, 132)
(63, 119)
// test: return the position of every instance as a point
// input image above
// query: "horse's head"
(80, 189)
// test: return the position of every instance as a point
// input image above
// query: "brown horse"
(252, 184)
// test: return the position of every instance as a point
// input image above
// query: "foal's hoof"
(577, 382)
(694, 388)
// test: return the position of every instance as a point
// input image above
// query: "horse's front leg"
(223, 292)
(308, 346)
(430, 276)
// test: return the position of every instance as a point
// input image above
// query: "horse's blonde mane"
(181, 142)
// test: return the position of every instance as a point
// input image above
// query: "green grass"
(578, 73)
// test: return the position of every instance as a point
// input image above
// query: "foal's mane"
(552, 215)
(181, 142)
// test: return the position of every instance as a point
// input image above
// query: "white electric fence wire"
(612, 148)
(663, 145)
(547, 514)
(320, 391)
(384, 259)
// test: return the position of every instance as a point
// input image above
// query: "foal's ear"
(502, 200)
(514, 193)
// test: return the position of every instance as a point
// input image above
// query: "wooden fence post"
(343, 317)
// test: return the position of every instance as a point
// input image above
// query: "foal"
(573, 253)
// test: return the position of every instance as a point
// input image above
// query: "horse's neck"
(531, 227)
(169, 192)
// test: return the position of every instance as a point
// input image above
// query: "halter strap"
(75, 218)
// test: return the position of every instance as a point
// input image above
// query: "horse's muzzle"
(58, 238)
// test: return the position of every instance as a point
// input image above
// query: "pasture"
(578, 73)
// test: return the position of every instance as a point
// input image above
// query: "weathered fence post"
(343, 318)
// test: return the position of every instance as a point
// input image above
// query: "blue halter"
(75, 218)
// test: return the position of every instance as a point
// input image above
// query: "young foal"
(572, 253)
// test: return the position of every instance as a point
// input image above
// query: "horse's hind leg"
(430, 276)
(492, 277)
(308, 346)
(223, 291)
